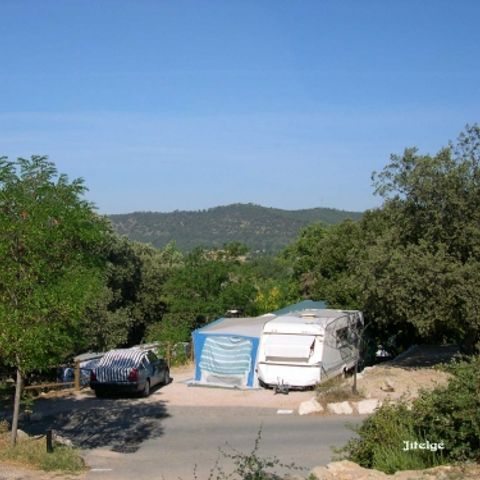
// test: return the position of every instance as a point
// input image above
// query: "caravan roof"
(248, 327)
(309, 322)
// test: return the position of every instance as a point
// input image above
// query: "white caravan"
(304, 348)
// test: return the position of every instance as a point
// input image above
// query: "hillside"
(260, 228)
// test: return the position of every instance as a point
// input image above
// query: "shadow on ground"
(121, 424)
(421, 356)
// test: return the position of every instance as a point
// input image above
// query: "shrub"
(448, 414)
(452, 412)
(381, 442)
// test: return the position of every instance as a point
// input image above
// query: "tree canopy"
(412, 265)
(51, 243)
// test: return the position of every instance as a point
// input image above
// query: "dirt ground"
(406, 374)
(181, 394)
(12, 471)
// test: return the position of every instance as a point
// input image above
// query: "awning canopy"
(288, 346)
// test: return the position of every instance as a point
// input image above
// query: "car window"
(152, 357)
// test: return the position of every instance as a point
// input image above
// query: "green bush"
(448, 414)
(381, 442)
(452, 412)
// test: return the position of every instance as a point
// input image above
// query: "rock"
(346, 470)
(340, 408)
(387, 386)
(21, 435)
(63, 441)
(310, 406)
(365, 407)
(321, 473)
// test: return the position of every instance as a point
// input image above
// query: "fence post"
(77, 376)
(49, 438)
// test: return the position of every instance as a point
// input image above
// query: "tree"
(419, 276)
(413, 265)
(322, 260)
(50, 265)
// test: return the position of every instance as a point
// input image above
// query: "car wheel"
(166, 377)
(146, 389)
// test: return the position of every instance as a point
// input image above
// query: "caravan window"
(342, 337)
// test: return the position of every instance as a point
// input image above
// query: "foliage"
(50, 262)
(413, 265)
(131, 301)
(321, 259)
(448, 414)
(263, 230)
(452, 412)
(32, 452)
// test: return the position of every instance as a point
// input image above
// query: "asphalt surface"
(192, 436)
(130, 438)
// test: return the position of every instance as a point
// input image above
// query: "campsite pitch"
(181, 394)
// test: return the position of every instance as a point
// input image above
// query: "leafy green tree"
(421, 273)
(413, 265)
(157, 266)
(110, 316)
(51, 245)
(322, 260)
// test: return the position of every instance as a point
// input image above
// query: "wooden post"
(16, 408)
(77, 376)
(49, 438)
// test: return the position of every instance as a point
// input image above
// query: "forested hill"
(260, 228)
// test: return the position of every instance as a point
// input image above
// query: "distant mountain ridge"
(262, 229)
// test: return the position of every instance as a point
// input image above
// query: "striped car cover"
(117, 364)
(227, 356)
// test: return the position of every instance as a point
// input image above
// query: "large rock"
(310, 406)
(346, 470)
(366, 407)
(387, 386)
(21, 435)
(321, 473)
(340, 408)
(66, 442)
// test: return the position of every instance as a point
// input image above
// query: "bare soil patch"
(407, 374)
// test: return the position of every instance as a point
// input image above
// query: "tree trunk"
(16, 407)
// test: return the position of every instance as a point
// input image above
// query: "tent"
(226, 350)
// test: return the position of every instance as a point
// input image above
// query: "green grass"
(32, 452)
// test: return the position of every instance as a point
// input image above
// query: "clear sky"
(162, 105)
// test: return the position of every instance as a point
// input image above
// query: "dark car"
(129, 370)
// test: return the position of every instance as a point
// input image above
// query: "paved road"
(144, 439)
(191, 438)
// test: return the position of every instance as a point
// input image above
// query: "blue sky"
(164, 105)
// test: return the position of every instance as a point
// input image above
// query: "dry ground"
(179, 393)
(407, 374)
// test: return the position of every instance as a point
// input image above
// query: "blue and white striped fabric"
(226, 356)
(117, 364)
